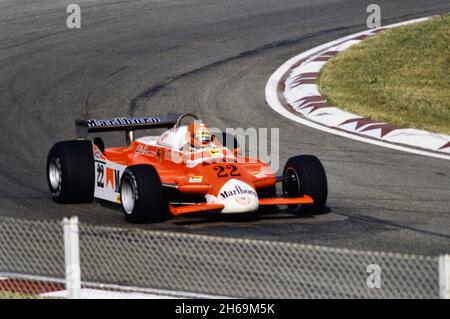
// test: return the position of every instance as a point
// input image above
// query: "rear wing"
(126, 124)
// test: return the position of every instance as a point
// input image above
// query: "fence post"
(72, 258)
(444, 277)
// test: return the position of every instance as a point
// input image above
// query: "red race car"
(184, 170)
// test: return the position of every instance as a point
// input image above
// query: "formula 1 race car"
(184, 170)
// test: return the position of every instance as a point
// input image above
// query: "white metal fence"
(47, 258)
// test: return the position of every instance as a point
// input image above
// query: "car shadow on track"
(266, 214)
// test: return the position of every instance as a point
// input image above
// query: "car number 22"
(226, 171)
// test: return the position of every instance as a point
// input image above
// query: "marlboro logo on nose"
(238, 190)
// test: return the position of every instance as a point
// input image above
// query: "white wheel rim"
(54, 172)
(128, 196)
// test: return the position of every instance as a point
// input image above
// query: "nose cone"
(238, 197)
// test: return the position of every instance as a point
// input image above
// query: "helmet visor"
(203, 136)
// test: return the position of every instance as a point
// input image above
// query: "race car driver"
(198, 137)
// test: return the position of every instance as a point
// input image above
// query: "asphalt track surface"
(212, 57)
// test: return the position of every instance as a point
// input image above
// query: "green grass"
(400, 76)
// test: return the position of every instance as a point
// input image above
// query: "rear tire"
(142, 195)
(98, 141)
(70, 172)
(309, 178)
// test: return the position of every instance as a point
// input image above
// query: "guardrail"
(71, 260)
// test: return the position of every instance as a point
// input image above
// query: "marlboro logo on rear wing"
(127, 124)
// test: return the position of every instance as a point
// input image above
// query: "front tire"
(142, 195)
(305, 174)
(70, 172)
